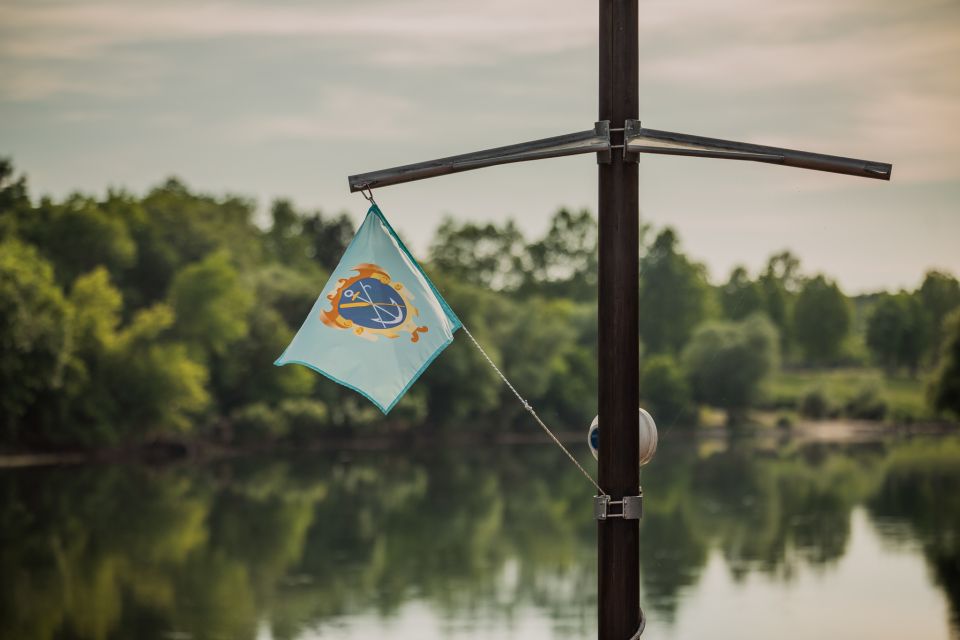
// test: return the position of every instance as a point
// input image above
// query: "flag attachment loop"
(367, 193)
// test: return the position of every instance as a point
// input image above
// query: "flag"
(379, 321)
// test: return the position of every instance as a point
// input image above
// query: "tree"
(157, 386)
(564, 262)
(727, 361)
(14, 201)
(945, 390)
(179, 228)
(897, 332)
(666, 391)
(307, 241)
(484, 255)
(78, 235)
(210, 304)
(34, 334)
(779, 284)
(940, 294)
(673, 295)
(821, 320)
(128, 382)
(328, 237)
(740, 296)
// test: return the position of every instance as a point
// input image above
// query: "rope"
(530, 410)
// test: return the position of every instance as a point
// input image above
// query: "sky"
(286, 98)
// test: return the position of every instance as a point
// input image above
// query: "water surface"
(738, 541)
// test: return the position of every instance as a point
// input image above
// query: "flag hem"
(446, 307)
(385, 411)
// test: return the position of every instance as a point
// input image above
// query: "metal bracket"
(596, 140)
(631, 507)
(602, 128)
(640, 140)
(631, 129)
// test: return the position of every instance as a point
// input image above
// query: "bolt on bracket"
(630, 507)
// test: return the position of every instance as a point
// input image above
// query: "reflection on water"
(738, 541)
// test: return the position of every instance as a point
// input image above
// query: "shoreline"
(170, 451)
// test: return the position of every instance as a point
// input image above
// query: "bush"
(306, 419)
(867, 404)
(726, 362)
(666, 392)
(256, 423)
(945, 388)
(814, 405)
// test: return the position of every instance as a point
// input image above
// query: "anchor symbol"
(382, 309)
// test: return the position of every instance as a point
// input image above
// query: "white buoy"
(647, 437)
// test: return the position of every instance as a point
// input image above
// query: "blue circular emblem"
(372, 304)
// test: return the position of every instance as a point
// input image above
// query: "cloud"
(341, 113)
(89, 29)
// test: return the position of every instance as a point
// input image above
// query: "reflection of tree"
(920, 488)
(672, 552)
(476, 535)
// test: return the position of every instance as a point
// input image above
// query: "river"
(740, 539)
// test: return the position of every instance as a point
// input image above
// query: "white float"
(647, 437)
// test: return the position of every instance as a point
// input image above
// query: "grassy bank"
(903, 397)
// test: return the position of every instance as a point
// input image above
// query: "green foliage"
(210, 303)
(257, 424)
(124, 318)
(940, 295)
(564, 263)
(814, 404)
(305, 419)
(79, 235)
(898, 331)
(158, 386)
(179, 228)
(727, 362)
(673, 296)
(821, 320)
(867, 404)
(904, 395)
(307, 241)
(484, 255)
(779, 283)
(666, 392)
(945, 389)
(740, 296)
(246, 374)
(35, 340)
(14, 201)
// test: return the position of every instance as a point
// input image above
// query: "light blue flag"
(379, 322)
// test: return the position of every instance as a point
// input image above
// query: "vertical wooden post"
(618, 540)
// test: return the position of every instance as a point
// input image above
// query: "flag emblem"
(371, 305)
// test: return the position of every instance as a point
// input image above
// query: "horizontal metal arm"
(640, 140)
(566, 145)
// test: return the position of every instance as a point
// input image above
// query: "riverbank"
(763, 427)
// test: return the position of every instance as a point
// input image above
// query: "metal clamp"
(631, 507)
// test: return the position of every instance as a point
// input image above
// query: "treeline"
(126, 318)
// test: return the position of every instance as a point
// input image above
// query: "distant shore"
(170, 451)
